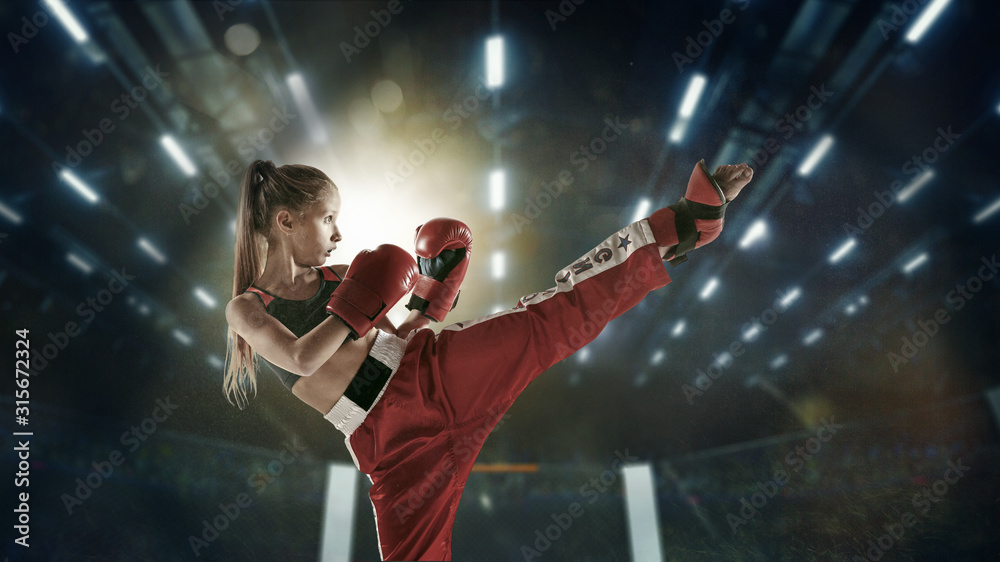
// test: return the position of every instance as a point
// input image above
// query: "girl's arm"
(273, 341)
(414, 321)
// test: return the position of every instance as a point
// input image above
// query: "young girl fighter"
(408, 400)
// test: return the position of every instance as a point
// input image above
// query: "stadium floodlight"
(926, 20)
(642, 209)
(499, 265)
(918, 182)
(695, 88)
(915, 263)
(177, 153)
(300, 93)
(843, 250)
(78, 186)
(498, 189)
(202, 295)
(812, 337)
(779, 361)
(791, 296)
(816, 155)
(10, 214)
(152, 251)
(68, 20)
(987, 212)
(182, 337)
(679, 328)
(756, 232)
(710, 288)
(80, 263)
(494, 62)
(658, 356)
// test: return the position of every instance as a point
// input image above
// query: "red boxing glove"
(376, 280)
(444, 247)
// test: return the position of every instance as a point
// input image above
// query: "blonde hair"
(264, 190)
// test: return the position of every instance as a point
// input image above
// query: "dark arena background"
(820, 383)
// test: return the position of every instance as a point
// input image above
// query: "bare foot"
(732, 178)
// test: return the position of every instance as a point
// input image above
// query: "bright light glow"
(583, 355)
(790, 297)
(499, 263)
(205, 298)
(724, 358)
(915, 185)
(494, 62)
(863, 299)
(817, 154)
(751, 332)
(144, 309)
(926, 19)
(779, 361)
(756, 231)
(175, 151)
(710, 287)
(80, 263)
(68, 20)
(658, 356)
(10, 214)
(182, 337)
(915, 262)
(678, 328)
(80, 187)
(497, 308)
(694, 91)
(642, 210)
(300, 93)
(812, 337)
(851, 309)
(154, 253)
(498, 190)
(987, 212)
(678, 130)
(214, 361)
(843, 250)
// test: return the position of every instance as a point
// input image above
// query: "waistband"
(368, 384)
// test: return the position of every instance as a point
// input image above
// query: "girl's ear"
(283, 221)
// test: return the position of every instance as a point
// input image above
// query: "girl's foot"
(697, 218)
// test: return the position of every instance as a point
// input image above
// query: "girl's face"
(316, 235)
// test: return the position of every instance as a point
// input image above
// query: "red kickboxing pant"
(419, 440)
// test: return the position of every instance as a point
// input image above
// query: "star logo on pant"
(624, 242)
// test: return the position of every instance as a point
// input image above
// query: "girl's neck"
(282, 273)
